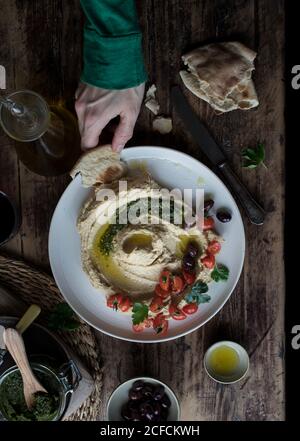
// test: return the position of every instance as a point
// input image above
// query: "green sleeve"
(112, 48)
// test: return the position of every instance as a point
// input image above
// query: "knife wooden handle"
(253, 210)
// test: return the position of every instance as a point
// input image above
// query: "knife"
(216, 156)
(30, 315)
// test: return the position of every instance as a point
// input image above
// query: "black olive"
(188, 263)
(158, 392)
(164, 415)
(135, 394)
(126, 413)
(192, 249)
(224, 216)
(146, 409)
(147, 390)
(138, 385)
(136, 416)
(144, 406)
(156, 408)
(147, 402)
(208, 204)
(165, 401)
(150, 416)
(133, 405)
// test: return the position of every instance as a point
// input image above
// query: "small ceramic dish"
(242, 363)
(119, 397)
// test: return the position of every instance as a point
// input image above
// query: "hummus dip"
(129, 257)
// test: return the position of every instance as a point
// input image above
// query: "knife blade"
(215, 155)
(27, 319)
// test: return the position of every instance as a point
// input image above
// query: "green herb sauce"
(106, 240)
(13, 405)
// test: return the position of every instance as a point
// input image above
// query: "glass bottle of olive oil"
(57, 150)
(47, 136)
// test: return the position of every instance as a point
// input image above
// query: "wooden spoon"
(15, 345)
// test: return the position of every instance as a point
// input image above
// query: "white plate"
(172, 169)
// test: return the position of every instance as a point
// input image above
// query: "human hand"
(96, 107)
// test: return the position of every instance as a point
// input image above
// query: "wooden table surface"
(40, 47)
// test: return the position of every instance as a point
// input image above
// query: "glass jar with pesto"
(48, 407)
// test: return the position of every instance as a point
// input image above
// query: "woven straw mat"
(34, 286)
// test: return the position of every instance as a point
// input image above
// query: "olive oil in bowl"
(226, 362)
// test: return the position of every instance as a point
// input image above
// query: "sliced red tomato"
(157, 304)
(148, 323)
(161, 292)
(176, 313)
(191, 308)
(208, 223)
(125, 304)
(214, 247)
(165, 280)
(160, 324)
(209, 261)
(114, 301)
(138, 328)
(177, 284)
(189, 277)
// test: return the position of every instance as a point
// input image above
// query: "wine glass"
(24, 115)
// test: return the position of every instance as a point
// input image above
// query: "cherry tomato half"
(190, 308)
(138, 328)
(165, 280)
(209, 261)
(189, 277)
(125, 304)
(156, 304)
(214, 247)
(161, 292)
(176, 313)
(160, 324)
(177, 284)
(148, 323)
(208, 223)
(114, 301)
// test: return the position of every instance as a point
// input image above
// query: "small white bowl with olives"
(143, 399)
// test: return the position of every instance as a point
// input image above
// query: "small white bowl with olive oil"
(226, 362)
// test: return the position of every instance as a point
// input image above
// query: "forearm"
(113, 57)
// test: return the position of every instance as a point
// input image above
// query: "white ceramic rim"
(194, 328)
(228, 343)
(148, 380)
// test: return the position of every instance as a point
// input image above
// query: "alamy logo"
(2, 77)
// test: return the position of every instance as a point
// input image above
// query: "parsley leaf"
(197, 294)
(62, 318)
(220, 272)
(140, 313)
(254, 157)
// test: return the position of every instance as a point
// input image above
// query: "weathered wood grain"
(40, 44)
(36, 52)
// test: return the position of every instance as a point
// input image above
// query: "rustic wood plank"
(9, 166)
(254, 314)
(36, 36)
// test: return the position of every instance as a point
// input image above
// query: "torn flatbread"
(150, 101)
(100, 165)
(162, 124)
(220, 73)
